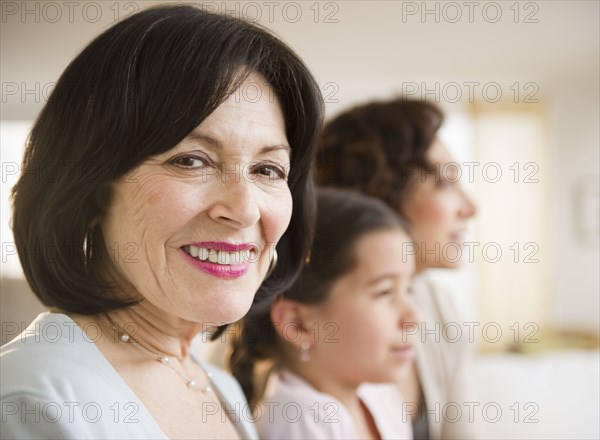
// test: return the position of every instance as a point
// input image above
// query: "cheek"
(276, 215)
(146, 213)
(360, 332)
(429, 213)
(162, 207)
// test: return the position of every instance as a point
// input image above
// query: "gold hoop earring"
(272, 265)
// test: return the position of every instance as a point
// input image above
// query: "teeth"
(220, 257)
(203, 255)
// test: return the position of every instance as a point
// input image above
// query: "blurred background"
(519, 83)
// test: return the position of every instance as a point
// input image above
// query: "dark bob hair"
(136, 91)
(379, 148)
(343, 218)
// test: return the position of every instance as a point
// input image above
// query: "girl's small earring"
(304, 351)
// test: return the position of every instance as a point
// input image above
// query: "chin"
(217, 309)
(231, 315)
(455, 260)
(402, 373)
(232, 309)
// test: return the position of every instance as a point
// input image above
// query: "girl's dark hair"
(378, 148)
(343, 217)
(136, 91)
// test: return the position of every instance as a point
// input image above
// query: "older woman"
(390, 150)
(185, 140)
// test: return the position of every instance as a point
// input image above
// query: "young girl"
(346, 321)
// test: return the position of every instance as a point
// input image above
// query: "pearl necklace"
(164, 359)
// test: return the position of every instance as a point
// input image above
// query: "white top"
(443, 364)
(57, 384)
(293, 409)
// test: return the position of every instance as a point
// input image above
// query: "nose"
(409, 313)
(235, 203)
(468, 208)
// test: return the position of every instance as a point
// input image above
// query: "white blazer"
(56, 383)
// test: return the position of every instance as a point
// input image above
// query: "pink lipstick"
(228, 266)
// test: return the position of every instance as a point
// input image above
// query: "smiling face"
(195, 227)
(438, 209)
(365, 318)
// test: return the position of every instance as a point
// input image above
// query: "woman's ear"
(291, 320)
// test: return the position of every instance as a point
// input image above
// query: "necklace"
(163, 359)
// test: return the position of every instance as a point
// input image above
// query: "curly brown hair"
(378, 148)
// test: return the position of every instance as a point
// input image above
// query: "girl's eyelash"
(384, 292)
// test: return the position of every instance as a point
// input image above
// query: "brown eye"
(271, 171)
(384, 292)
(190, 162)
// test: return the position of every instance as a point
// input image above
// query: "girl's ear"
(291, 320)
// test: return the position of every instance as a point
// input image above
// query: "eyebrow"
(217, 145)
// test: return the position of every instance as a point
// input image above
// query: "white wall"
(576, 139)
